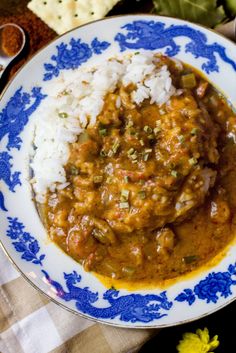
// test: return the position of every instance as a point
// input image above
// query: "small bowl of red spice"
(12, 40)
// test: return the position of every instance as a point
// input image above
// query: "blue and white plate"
(22, 233)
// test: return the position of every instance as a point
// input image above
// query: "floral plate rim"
(217, 307)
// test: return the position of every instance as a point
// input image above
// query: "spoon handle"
(4, 59)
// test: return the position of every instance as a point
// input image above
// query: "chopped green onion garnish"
(115, 146)
(141, 142)
(192, 161)
(151, 137)
(137, 53)
(145, 157)
(132, 132)
(156, 130)
(124, 205)
(174, 173)
(194, 131)
(130, 151)
(102, 132)
(97, 179)
(130, 124)
(188, 81)
(124, 195)
(133, 156)
(147, 129)
(190, 259)
(110, 153)
(65, 93)
(128, 271)
(74, 170)
(181, 138)
(103, 153)
(63, 115)
(142, 194)
(126, 179)
(109, 179)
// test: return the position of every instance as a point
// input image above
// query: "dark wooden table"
(222, 322)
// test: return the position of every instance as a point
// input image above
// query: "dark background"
(222, 323)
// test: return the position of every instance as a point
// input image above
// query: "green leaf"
(205, 12)
(231, 6)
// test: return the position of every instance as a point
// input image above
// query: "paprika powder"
(11, 40)
(38, 34)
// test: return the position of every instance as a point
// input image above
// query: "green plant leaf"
(205, 12)
(231, 6)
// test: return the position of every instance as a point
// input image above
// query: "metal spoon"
(5, 60)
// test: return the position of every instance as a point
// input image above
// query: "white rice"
(85, 90)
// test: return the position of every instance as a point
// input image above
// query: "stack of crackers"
(64, 15)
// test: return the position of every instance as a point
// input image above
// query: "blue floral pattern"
(10, 179)
(73, 56)
(24, 242)
(15, 115)
(215, 285)
(129, 308)
(152, 35)
(2, 204)
(13, 119)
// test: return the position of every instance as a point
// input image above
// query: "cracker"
(63, 15)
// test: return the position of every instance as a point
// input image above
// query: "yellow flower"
(198, 342)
